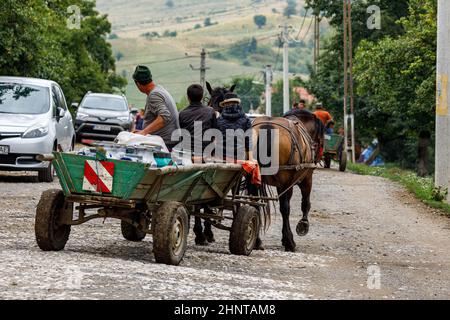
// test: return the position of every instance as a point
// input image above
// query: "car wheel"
(47, 174)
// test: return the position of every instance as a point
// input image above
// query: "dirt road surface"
(369, 239)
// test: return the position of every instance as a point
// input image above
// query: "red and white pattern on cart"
(98, 176)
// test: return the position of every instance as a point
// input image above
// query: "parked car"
(34, 120)
(103, 116)
(254, 116)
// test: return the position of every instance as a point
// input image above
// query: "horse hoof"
(210, 238)
(289, 249)
(201, 241)
(258, 245)
(303, 228)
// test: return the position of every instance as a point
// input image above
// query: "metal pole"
(268, 79)
(352, 97)
(345, 77)
(442, 174)
(316, 41)
(286, 93)
(203, 69)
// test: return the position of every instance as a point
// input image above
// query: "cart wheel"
(327, 161)
(130, 232)
(244, 231)
(343, 161)
(170, 233)
(50, 234)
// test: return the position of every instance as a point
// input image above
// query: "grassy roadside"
(422, 188)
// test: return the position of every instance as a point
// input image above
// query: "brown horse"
(300, 137)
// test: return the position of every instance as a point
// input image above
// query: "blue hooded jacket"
(233, 117)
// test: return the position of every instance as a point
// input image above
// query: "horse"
(301, 137)
(203, 237)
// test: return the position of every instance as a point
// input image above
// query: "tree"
(119, 56)
(248, 91)
(260, 20)
(278, 96)
(170, 4)
(291, 8)
(35, 42)
(397, 77)
(327, 82)
(207, 22)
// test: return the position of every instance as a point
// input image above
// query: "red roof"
(304, 94)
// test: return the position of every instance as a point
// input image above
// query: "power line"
(234, 44)
(303, 23)
(161, 61)
(307, 32)
(277, 59)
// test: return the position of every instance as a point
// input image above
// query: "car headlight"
(36, 132)
(82, 116)
(124, 119)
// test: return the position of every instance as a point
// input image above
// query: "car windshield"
(104, 103)
(23, 99)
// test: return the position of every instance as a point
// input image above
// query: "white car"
(34, 120)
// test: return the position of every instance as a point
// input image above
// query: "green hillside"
(170, 57)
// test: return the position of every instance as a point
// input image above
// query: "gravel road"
(369, 239)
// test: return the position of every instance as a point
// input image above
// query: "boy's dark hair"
(302, 101)
(195, 93)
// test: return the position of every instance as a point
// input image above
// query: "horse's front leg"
(200, 238)
(209, 235)
(306, 188)
(285, 208)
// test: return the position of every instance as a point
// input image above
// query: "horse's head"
(315, 128)
(218, 95)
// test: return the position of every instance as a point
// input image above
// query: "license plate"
(102, 128)
(4, 150)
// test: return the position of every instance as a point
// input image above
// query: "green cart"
(334, 150)
(156, 201)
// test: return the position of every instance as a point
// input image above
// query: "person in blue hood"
(234, 120)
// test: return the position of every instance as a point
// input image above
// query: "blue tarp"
(367, 153)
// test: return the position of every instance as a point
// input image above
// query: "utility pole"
(351, 82)
(202, 68)
(442, 174)
(316, 40)
(286, 93)
(268, 78)
(345, 77)
(349, 118)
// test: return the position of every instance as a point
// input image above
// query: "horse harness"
(293, 124)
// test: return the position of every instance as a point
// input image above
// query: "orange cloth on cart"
(252, 168)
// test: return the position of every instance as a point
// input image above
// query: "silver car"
(34, 120)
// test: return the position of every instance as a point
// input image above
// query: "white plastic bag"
(133, 140)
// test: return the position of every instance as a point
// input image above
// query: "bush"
(260, 20)
(207, 22)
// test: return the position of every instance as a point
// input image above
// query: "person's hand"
(142, 133)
